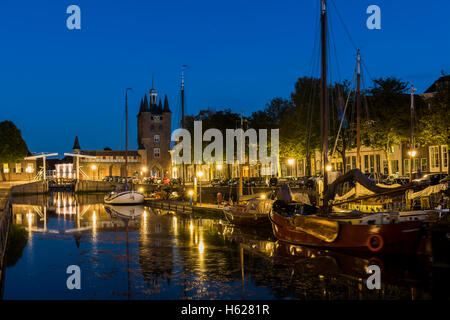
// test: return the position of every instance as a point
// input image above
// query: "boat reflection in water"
(125, 212)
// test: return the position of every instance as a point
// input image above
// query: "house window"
(156, 152)
(18, 168)
(5, 168)
(444, 158)
(372, 163)
(353, 162)
(394, 166)
(348, 165)
(385, 167)
(156, 138)
(406, 166)
(391, 149)
(366, 163)
(424, 164)
(416, 164)
(434, 158)
(378, 158)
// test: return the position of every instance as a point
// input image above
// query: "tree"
(389, 112)
(12, 147)
(433, 123)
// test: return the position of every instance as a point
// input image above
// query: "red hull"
(402, 237)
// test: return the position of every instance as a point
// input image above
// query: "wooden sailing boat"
(252, 211)
(300, 223)
(126, 197)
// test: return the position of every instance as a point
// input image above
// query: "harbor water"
(158, 254)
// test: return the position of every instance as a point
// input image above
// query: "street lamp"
(199, 175)
(219, 167)
(191, 193)
(291, 162)
(93, 167)
(412, 154)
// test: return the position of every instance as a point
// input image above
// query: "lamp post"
(411, 154)
(291, 162)
(219, 167)
(93, 167)
(200, 174)
(191, 193)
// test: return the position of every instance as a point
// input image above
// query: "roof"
(442, 82)
(76, 144)
(99, 153)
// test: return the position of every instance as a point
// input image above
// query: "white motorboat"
(124, 197)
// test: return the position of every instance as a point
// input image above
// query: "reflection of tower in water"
(155, 249)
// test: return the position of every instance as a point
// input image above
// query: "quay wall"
(94, 186)
(37, 187)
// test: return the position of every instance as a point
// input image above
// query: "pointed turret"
(146, 103)
(76, 146)
(141, 107)
(166, 104)
(160, 106)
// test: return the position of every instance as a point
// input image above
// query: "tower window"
(156, 138)
(160, 127)
(152, 128)
(156, 152)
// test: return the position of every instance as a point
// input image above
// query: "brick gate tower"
(154, 131)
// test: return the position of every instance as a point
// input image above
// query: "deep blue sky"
(56, 83)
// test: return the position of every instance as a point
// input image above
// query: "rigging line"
(344, 25)
(366, 103)
(343, 114)
(332, 40)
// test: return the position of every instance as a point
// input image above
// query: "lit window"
(434, 158)
(18, 168)
(444, 158)
(5, 168)
(156, 152)
(156, 138)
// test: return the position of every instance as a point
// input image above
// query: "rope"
(343, 115)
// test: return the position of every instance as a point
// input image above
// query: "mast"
(240, 164)
(126, 134)
(358, 112)
(323, 94)
(182, 115)
(411, 146)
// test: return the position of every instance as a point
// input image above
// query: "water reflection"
(139, 252)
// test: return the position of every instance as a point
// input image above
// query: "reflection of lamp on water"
(201, 247)
(200, 174)
(191, 193)
(191, 227)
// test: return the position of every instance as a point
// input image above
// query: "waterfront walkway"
(185, 207)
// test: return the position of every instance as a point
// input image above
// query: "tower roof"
(76, 144)
(141, 107)
(166, 104)
(145, 103)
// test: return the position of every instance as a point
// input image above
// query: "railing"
(171, 206)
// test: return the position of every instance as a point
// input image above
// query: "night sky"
(56, 83)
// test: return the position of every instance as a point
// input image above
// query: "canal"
(168, 255)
